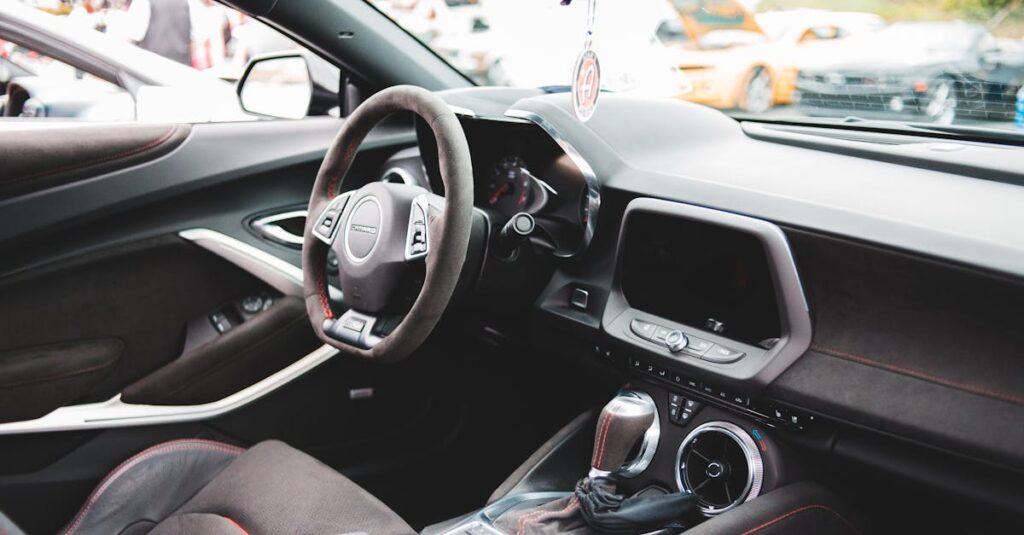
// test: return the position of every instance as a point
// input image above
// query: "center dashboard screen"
(700, 275)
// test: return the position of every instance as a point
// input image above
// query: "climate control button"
(676, 341)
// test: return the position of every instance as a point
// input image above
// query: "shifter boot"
(558, 516)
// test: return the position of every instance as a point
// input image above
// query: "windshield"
(952, 63)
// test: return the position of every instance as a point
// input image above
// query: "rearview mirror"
(277, 85)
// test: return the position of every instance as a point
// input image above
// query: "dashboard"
(519, 168)
(756, 266)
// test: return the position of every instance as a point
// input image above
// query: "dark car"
(919, 71)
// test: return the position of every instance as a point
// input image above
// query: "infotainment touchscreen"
(702, 275)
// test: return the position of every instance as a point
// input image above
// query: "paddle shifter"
(621, 425)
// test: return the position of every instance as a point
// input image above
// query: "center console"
(705, 309)
(707, 294)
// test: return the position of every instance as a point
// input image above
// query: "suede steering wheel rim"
(365, 229)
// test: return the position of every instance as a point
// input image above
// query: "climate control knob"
(676, 341)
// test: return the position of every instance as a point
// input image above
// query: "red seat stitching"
(236, 524)
(798, 510)
(166, 447)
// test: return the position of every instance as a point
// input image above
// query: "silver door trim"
(281, 275)
(116, 413)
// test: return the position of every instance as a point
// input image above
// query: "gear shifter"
(622, 423)
(594, 507)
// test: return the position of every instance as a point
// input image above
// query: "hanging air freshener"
(586, 75)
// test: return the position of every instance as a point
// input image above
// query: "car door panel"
(230, 362)
(142, 254)
(142, 294)
(34, 380)
(44, 157)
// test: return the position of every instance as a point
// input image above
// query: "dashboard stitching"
(981, 391)
(797, 511)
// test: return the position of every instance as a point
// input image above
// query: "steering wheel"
(381, 231)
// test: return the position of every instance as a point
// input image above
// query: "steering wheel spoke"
(329, 220)
(354, 328)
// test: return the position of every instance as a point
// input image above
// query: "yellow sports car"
(735, 60)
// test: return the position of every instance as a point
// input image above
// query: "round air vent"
(720, 463)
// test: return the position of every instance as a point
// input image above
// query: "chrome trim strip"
(649, 442)
(267, 227)
(755, 465)
(116, 413)
(279, 274)
(593, 185)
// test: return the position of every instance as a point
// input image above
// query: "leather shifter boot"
(594, 507)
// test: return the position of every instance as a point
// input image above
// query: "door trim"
(280, 274)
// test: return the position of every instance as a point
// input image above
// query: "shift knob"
(622, 423)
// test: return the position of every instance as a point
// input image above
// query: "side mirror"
(283, 85)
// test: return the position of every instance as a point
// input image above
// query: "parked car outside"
(755, 70)
(91, 75)
(918, 71)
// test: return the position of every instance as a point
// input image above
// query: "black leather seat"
(201, 486)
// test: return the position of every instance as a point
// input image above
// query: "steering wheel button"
(354, 324)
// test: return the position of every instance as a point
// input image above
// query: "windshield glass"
(955, 62)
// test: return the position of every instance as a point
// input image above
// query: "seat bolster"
(205, 523)
(151, 485)
(273, 488)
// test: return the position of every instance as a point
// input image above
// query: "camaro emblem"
(364, 228)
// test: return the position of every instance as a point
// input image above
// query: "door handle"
(284, 228)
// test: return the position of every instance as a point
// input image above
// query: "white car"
(86, 74)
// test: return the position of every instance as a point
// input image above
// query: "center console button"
(698, 346)
(722, 354)
(643, 329)
(660, 333)
(676, 341)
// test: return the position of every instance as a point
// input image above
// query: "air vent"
(719, 462)
(397, 175)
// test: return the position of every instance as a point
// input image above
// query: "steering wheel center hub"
(363, 229)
